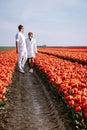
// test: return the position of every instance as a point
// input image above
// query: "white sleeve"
(26, 43)
(17, 37)
(35, 46)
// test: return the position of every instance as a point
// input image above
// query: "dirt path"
(32, 107)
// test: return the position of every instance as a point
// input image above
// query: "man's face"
(22, 30)
(30, 36)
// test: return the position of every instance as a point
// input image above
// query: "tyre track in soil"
(32, 107)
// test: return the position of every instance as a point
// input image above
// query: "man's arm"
(17, 42)
(16, 47)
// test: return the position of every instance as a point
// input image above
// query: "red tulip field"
(8, 60)
(65, 71)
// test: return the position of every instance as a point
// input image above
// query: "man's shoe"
(21, 70)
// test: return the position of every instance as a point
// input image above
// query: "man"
(21, 48)
(31, 50)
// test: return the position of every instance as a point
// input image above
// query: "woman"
(31, 50)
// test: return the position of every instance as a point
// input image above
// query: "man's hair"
(30, 33)
(20, 27)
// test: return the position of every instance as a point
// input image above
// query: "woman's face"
(30, 36)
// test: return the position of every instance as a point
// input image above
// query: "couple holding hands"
(26, 49)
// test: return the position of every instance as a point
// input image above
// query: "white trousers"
(22, 57)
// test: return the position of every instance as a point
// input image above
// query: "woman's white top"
(31, 47)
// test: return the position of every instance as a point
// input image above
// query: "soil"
(31, 106)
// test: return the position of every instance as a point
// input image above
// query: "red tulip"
(71, 103)
(78, 109)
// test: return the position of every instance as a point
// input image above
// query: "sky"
(53, 22)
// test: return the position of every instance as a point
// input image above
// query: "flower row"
(8, 60)
(70, 80)
(80, 56)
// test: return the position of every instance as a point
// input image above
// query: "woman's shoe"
(31, 70)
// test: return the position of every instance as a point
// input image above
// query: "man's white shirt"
(20, 38)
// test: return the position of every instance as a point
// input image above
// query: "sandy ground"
(32, 107)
